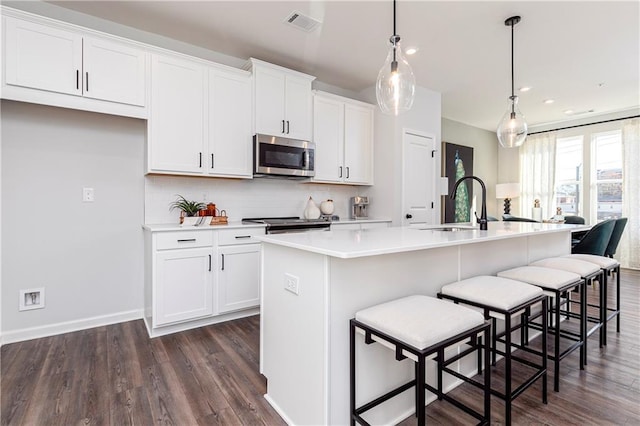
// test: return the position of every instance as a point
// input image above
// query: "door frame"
(435, 212)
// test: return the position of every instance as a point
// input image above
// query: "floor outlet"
(88, 195)
(291, 283)
(31, 299)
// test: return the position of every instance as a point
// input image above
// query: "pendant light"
(512, 129)
(396, 84)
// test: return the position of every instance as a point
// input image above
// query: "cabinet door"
(43, 58)
(328, 135)
(238, 277)
(269, 98)
(358, 144)
(230, 152)
(298, 108)
(176, 123)
(113, 72)
(184, 287)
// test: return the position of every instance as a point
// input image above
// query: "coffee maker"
(359, 207)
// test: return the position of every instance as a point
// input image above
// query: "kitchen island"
(313, 283)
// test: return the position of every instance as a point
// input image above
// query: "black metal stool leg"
(617, 271)
(352, 374)
(420, 378)
(556, 344)
(507, 366)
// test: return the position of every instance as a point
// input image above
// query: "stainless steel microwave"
(283, 156)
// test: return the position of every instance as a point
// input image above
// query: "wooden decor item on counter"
(220, 220)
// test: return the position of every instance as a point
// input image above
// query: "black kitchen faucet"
(482, 220)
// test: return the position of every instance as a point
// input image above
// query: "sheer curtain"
(537, 173)
(629, 248)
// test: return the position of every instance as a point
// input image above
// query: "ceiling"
(583, 54)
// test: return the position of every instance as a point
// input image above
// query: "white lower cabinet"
(199, 277)
(238, 276)
(184, 285)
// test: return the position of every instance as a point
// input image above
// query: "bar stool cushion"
(580, 267)
(420, 321)
(496, 292)
(548, 278)
(602, 261)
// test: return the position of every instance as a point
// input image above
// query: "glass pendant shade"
(512, 129)
(396, 84)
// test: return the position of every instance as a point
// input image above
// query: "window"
(606, 179)
(569, 171)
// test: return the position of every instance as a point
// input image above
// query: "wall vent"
(302, 22)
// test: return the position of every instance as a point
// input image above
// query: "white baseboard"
(278, 410)
(68, 326)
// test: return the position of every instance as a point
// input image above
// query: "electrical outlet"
(291, 283)
(32, 298)
(88, 195)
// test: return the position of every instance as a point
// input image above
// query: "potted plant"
(188, 208)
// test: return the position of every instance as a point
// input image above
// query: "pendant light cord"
(394, 32)
(512, 66)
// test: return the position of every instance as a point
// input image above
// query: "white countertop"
(167, 227)
(370, 242)
(361, 220)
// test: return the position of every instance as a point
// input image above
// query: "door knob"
(408, 216)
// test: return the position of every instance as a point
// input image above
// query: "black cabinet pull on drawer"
(190, 240)
(238, 237)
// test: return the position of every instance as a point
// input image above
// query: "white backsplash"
(261, 197)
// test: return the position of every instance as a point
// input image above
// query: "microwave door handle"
(305, 160)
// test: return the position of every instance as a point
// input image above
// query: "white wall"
(485, 160)
(259, 197)
(424, 116)
(87, 256)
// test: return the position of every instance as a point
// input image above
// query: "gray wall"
(88, 256)
(485, 159)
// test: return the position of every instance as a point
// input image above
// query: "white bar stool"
(608, 265)
(504, 299)
(555, 283)
(588, 272)
(419, 327)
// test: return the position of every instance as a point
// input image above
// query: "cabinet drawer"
(183, 239)
(238, 236)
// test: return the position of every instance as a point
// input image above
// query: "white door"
(358, 144)
(298, 108)
(113, 72)
(176, 125)
(184, 285)
(43, 58)
(238, 277)
(328, 135)
(269, 98)
(230, 150)
(419, 177)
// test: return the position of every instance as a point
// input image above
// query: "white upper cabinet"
(200, 119)
(282, 101)
(176, 123)
(42, 58)
(229, 121)
(113, 72)
(55, 61)
(343, 134)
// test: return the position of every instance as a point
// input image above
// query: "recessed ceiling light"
(549, 101)
(525, 89)
(568, 111)
(411, 50)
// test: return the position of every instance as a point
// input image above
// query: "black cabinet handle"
(347, 172)
(200, 159)
(212, 161)
(340, 171)
(190, 240)
(282, 126)
(77, 79)
(287, 126)
(223, 262)
(209, 263)
(87, 81)
(408, 216)
(239, 237)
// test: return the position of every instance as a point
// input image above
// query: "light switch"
(88, 195)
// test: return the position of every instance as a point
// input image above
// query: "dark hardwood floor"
(117, 375)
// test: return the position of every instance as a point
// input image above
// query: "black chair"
(574, 220)
(615, 237)
(596, 240)
(509, 218)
